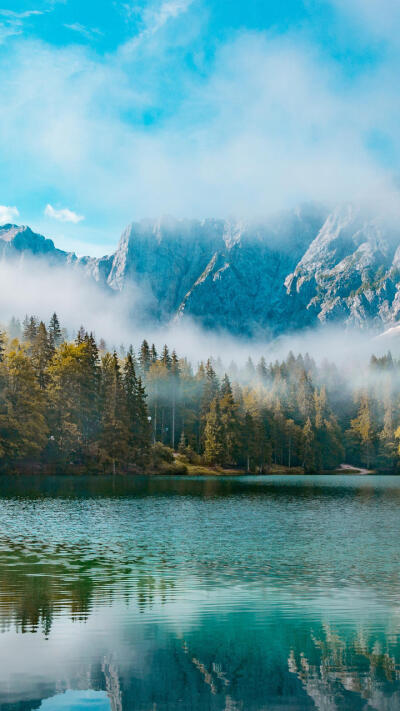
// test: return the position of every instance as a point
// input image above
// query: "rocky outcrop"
(349, 272)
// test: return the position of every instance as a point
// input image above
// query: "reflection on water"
(253, 593)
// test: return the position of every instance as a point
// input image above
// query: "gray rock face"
(223, 274)
(350, 272)
(20, 243)
(17, 242)
(295, 270)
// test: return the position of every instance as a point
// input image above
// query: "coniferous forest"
(71, 406)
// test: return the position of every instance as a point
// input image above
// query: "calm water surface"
(222, 594)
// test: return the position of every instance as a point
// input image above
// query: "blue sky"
(112, 111)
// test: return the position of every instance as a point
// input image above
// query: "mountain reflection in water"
(246, 594)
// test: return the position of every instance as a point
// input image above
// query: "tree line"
(71, 405)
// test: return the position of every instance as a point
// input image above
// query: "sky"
(113, 111)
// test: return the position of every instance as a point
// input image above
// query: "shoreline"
(198, 470)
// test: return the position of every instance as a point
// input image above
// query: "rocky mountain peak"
(298, 268)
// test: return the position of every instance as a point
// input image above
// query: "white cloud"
(87, 32)
(20, 15)
(154, 17)
(8, 214)
(270, 123)
(13, 22)
(170, 9)
(379, 18)
(63, 215)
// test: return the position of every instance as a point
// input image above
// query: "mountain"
(350, 272)
(294, 270)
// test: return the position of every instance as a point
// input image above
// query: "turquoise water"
(221, 594)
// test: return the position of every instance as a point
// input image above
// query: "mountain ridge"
(299, 268)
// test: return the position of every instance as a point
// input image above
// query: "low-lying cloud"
(30, 287)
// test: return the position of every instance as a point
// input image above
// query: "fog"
(32, 287)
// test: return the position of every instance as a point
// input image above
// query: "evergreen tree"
(153, 353)
(386, 458)
(3, 340)
(214, 436)
(308, 447)
(42, 351)
(249, 441)
(55, 333)
(364, 429)
(261, 370)
(210, 388)
(166, 358)
(144, 357)
(230, 421)
(114, 439)
(30, 329)
(137, 414)
(23, 430)
(305, 396)
(174, 380)
(80, 336)
(293, 435)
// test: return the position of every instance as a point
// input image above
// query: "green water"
(229, 594)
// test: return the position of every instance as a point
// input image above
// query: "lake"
(210, 593)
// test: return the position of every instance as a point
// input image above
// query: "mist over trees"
(73, 406)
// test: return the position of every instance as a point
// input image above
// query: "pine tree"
(210, 388)
(308, 447)
(214, 436)
(30, 329)
(42, 351)
(137, 414)
(73, 394)
(55, 333)
(144, 357)
(305, 396)
(153, 353)
(174, 379)
(114, 439)
(230, 421)
(364, 428)
(293, 435)
(249, 441)
(262, 372)
(166, 358)
(3, 340)
(90, 378)
(80, 336)
(23, 430)
(386, 459)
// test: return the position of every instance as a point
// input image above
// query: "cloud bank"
(29, 286)
(166, 124)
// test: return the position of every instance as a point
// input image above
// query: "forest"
(73, 406)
